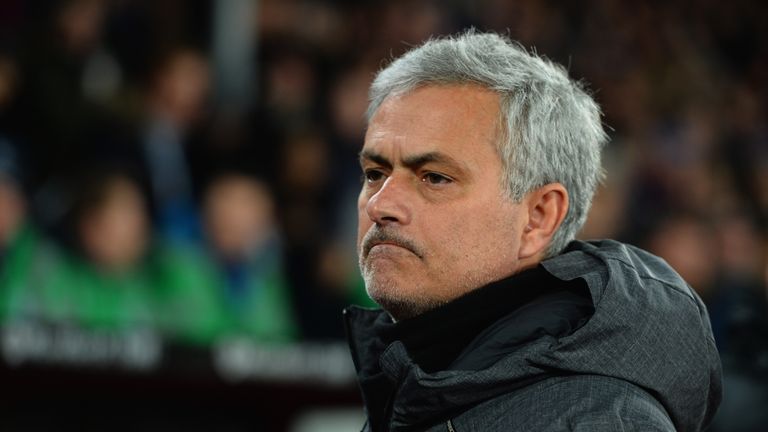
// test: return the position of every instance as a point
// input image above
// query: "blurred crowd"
(192, 166)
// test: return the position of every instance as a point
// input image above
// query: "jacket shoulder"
(582, 258)
(572, 403)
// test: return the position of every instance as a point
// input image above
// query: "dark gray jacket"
(645, 360)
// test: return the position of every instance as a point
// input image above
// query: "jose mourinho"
(479, 165)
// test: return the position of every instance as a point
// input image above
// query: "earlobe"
(547, 207)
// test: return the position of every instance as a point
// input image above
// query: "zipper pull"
(450, 426)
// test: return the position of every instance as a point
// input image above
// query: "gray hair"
(552, 132)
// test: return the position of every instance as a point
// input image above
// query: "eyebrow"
(375, 157)
(414, 161)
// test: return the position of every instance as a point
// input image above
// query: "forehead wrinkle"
(415, 160)
(420, 159)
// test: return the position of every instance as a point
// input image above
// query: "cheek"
(503, 240)
(363, 221)
(489, 237)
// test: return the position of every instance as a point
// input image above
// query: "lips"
(381, 238)
(387, 244)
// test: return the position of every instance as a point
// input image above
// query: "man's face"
(434, 221)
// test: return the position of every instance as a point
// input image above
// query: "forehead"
(462, 118)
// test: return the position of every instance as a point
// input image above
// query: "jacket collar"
(420, 361)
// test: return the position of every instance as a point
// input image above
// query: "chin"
(400, 305)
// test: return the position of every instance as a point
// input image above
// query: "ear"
(546, 207)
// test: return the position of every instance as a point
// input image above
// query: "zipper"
(450, 426)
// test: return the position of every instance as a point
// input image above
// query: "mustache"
(377, 236)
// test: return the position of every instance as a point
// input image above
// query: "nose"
(390, 204)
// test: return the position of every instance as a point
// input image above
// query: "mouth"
(388, 244)
(389, 252)
(385, 244)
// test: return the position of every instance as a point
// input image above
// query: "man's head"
(238, 213)
(112, 221)
(479, 161)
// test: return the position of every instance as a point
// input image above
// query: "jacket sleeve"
(580, 403)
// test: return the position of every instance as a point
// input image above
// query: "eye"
(435, 179)
(372, 175)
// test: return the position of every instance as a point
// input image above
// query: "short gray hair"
(552, 130)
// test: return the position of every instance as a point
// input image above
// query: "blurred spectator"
(111, 273)
(175, 106)
(112, 225)
(688, 244)
(306, 201)
(290, 86)
(99, 283)
(17, 237)
(12, 202)
(104, 281)
(9, 82)
(304, 182)
(246, 250)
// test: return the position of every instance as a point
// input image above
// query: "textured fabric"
(579, 403)
(645, 360)
(435, 339)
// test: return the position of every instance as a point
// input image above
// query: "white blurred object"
(330, 420)
(234, 50)
(238, 359)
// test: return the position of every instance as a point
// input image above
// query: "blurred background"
(178, 184)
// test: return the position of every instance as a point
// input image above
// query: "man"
(480, 162)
